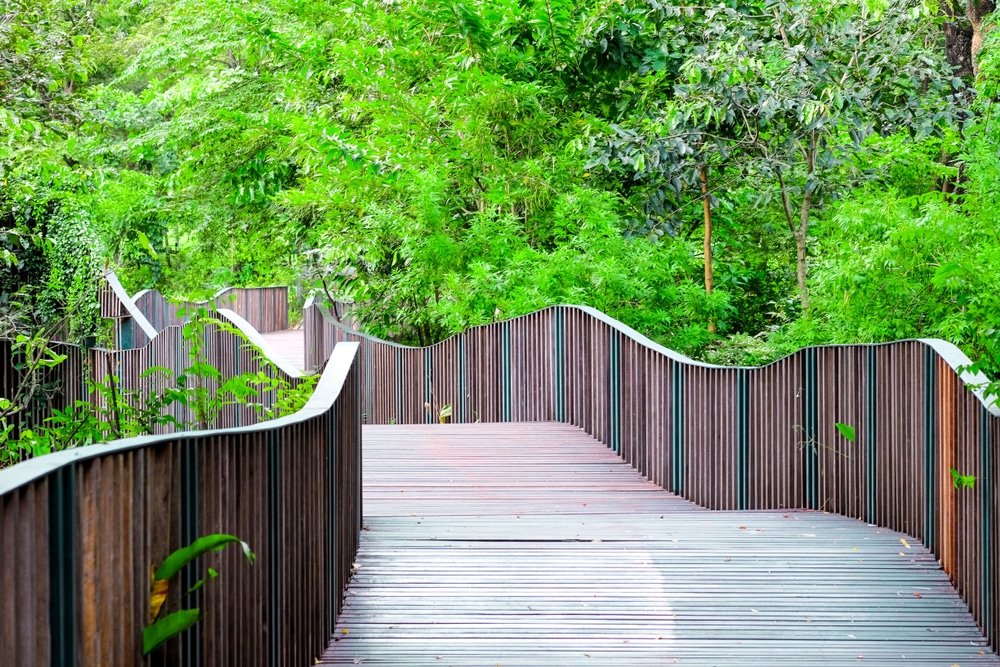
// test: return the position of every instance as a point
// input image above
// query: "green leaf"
(846, 430)
(146, 245)
(168, 627)
(960, 481)
(212, 574)
(215, 542)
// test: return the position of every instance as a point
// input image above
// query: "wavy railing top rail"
(128, 304)
(323, 398)
(948, 352)
(252, 334)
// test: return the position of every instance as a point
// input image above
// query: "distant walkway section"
(533, 544)
(289, 344)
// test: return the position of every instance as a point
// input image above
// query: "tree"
(790, 91)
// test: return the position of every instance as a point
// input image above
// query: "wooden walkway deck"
(532, 544)
(289, 344)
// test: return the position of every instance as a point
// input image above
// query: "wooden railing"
(265, 308)
(226, 351)
(139, 318)
(80, 530)
(51, 389)
(141, 346)
(730, 438)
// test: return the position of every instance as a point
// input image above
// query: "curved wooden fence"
(265, 308)
(168, 352)
(140, 346)
(81, 529)
(729, 438)
(48, 389)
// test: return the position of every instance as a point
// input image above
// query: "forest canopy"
(734, 179)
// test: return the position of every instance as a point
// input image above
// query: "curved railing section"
(265, 308)
(730, 438)
(228, 352)
(231, 354)
(80, 530)
(140, 346)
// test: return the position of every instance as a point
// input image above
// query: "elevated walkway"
(534, 544)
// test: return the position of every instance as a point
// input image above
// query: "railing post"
(429, 416)
(810, 458)
(986, 519)
(459, 406)
(332, 527)
(930, 458)
(367, 348)
(63, 617)
(742, 438)
(191, 639)
(505, 372)
(871, 459)
(615, 395)
(399, 386)
(274, 609)
(558, 363)
(677, 427)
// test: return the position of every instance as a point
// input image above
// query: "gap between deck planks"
(533, 544)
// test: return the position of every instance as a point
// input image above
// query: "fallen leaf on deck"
(904, 542)
(918, 594)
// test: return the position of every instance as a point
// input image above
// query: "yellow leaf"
(157, 597)
(345, 631)
(903, 541)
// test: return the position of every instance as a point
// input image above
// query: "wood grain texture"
(81, 531)
(533, 544)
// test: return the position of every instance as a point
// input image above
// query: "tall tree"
(796, 87)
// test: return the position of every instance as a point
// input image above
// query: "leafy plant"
(444, 414)
(162, 629)
(960, 481)
(846, 430)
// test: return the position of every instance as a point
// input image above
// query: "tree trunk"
(957, 38)
(801, 233)
(977, 10)
(964, 33)
(706, 204)
(800, 268)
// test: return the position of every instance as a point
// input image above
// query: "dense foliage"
(442, 164)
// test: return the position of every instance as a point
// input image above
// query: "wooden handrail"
(265, 308)
(730, 438)
(224, 350)
(80, 530)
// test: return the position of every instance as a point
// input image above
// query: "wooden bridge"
(532, 544)
(569, 515)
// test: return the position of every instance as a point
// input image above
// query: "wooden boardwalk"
(533, 544)
(289, 344)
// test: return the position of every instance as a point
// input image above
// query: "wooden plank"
(524, 544)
